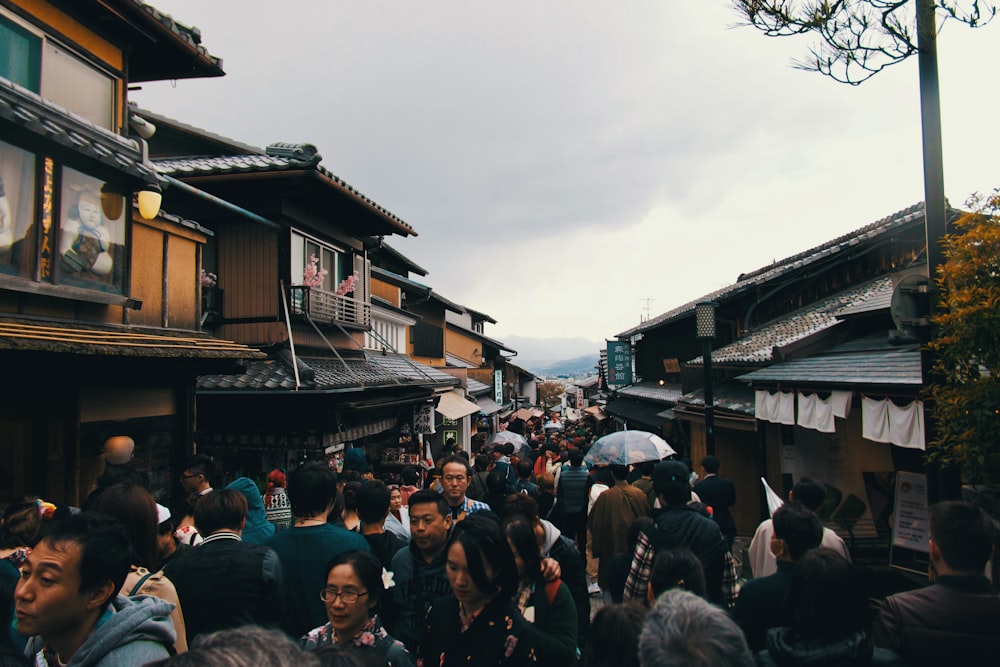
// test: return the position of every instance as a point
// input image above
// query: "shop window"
(91, 233)
(18, 233)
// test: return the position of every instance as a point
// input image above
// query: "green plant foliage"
(966, 400)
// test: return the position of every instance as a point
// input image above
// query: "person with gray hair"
(684, 630)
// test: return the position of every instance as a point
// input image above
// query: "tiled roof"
(457, 362)
(190, 36)
(855, 364)
(405, 367)
(276, 158)
(34, 115)
(731, 396)
(758, 346)
(764, 274)
(586, 383)
(116, 340)
(652, 391)
(475, 387)
(329, 374)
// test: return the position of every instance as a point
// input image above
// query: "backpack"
(477, 487)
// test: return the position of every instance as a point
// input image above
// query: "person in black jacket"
(761, 604)
(830, 618)
(720, 495)
(224, 582)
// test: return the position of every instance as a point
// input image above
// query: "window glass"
(20, 55)
(17, 211)
(78, 86)
(91, 233)
(303, 249)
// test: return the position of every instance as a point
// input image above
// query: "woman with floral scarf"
(355, 581)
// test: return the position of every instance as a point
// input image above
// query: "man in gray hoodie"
(66, 599)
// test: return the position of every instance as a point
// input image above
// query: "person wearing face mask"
(761, 604)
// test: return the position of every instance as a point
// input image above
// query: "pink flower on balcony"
(312, 275)
(347, 284)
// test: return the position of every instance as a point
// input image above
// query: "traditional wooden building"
(99, 311)
(814, 323)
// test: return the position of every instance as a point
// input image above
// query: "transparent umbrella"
(628, 447)
(503, 437)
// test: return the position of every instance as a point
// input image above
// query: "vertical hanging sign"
(619, 364)
(498, 386)
(45, 253)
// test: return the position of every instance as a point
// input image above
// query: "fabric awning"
(488, 406)
(596, 412)
(454, 405)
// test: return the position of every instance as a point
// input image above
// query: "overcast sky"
(565, 161)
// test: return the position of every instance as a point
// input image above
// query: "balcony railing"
(327, 307)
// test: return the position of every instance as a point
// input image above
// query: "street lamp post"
(704, 316)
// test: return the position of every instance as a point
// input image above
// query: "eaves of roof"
(457, 362)
(730, 396)
(411, 266)
(477, 388)
(228, 144)
(476, 315)
(764, 274)
(191, 59)
(116, 340)
(382, 304)
(33, 119)
(758, 347)
(863, 369)
(399, 281)
(283, 160)
(654, 392)
(450, 305)
(486, 339)
(329, 375)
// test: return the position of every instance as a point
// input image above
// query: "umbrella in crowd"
(628, 447)
(552, 426)
(503, 437)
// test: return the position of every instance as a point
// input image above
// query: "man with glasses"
(224, 582)
(195, 478)
(455, 475)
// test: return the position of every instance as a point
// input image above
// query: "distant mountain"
(578, 368)
(545, 356)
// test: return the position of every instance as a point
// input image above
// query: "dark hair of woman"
(522, 536)
(133, 506)
(677, 568)
(826, 597)
(613, 640)
(482, 539)
(368, 569)
(21, 525)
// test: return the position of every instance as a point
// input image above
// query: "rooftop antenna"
(645, 309)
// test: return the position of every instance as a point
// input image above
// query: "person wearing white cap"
(168, 547)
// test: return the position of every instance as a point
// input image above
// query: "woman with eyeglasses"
(353, 591)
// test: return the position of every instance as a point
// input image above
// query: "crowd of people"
(493, 559)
